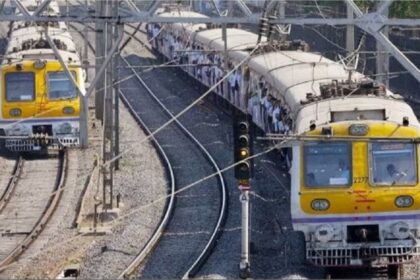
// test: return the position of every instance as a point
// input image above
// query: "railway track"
(214, 232)
(165, 223)
(36, 194)
(8, 179)
(154, 239)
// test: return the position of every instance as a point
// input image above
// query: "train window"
(60, 86)
(20, 86)
(327, 164)
(392, 164)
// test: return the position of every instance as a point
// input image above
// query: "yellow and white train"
(355, 191)
(40, 105)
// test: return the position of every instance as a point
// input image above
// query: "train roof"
(298, 76)
(189, 27)
(237, 39)
(365, 107)
(294, 74)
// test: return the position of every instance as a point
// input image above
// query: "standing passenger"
(238, 81)
(269, 111)
(231, 83)
(276, 116)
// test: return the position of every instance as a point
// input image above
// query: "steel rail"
(17, 170)
(46, 215)
(194, 268)
(154, 239)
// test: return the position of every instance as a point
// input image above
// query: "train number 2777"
(358, 180)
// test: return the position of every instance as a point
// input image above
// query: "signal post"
(243, 171)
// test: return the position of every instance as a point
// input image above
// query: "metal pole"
(245, 264)
(350, 30)
(84, 100)
(115, 70)
(282, 15)
(84, 112)
(86, 43)
(100, 53)
(108, 145)
(382, 58)
(225, 66)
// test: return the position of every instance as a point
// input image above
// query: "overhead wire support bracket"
(244, 8)
(153, 8)
(42, 7)
(22, 8)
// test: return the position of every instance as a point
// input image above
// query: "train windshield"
(60, 86)
(393, 164)
(327, 164)
(20, 86)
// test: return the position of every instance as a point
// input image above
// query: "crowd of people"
(245, 90)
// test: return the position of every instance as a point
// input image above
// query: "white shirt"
(276, 110)
(281, 127)
(232, 79)
(238, 78)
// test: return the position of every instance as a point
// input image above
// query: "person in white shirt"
(237, 88)
(175, 53)
(149, 28)
(276, 117)
(200, 61)
(155, 33)
(287, 126)
(219, 75)
(269, 112)
(231, 82)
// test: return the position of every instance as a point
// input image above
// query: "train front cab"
(40, 106)
(358, 202)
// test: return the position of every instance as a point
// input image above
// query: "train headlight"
(324, 233)
(65, 128)
(358, 129)
(39, 64)
(68, 110)
(320, 204)
(401, 230)
(404, 201)
(15, 112)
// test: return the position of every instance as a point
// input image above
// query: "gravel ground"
(140, 181)
(6, 166)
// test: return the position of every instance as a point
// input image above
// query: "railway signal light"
(242, 150)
